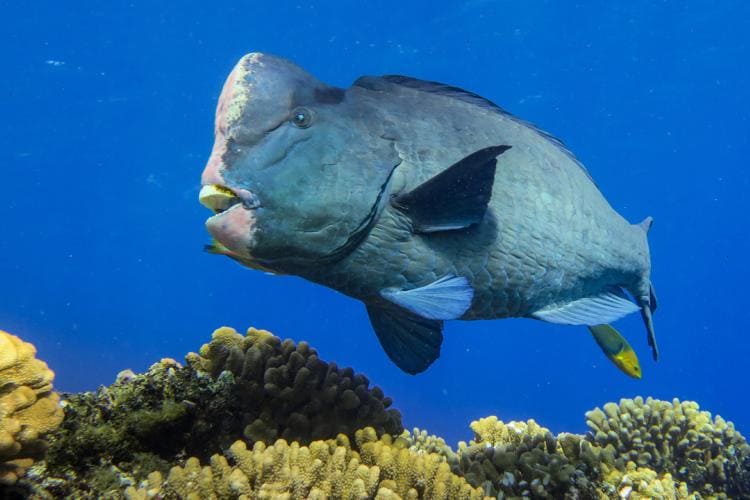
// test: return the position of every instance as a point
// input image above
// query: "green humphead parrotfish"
(424, 201)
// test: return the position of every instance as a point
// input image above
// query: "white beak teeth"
(217, 198)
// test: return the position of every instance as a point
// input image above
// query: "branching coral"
(636, 483)
(381, 468)
(420, 441)
(411, 474)
(517, 459)
(640, 448)
(523, 459)
(491, 430)
(707, 454)
(28, 407)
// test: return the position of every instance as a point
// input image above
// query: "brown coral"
(382, 468)
(28, 407)
(289, 392)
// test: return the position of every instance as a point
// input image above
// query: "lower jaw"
(234, 229)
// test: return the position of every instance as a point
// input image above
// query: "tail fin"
(652, 302)
(647, 297)
(647, 302)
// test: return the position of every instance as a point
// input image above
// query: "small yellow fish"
(617, 349)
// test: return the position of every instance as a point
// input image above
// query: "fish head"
(627, 361)
(297, 173)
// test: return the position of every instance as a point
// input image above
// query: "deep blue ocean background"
(107, 122)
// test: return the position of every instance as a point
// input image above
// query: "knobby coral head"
(28, 407)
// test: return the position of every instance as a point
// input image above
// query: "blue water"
(107, 121)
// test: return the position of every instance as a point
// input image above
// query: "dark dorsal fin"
(442, 89)
(380, 83)
(455, 198)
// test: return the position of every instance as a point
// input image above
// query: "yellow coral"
(521, 459)
(637, 483)
(420, 441)
(227, 348)
(706, 453)
(28, 407)
(493, 431)
(411, 474)
(382, 469)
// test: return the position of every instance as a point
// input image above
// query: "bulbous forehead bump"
(251, 97)
(258, 95)
(232, 102)
(234, 96)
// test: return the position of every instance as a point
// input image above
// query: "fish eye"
(301, 117)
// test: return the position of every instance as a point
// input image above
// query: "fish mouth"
(222, 199)
(234, 221)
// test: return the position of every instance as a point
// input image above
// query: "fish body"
(424, 201)
(617, 350)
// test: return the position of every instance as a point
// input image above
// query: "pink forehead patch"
(225, 99)
(212, 172)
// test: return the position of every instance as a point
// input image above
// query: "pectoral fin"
(412, 343)
(455, 198)
(446, 298)
(606, 307)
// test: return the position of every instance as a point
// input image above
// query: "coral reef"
(635, 483)
(254, 387)
(290, 392)
(637, 449)
(525, 459)
(383, 468)
(709, 455)
(28, 407)
(420, 441)
(252, 416)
